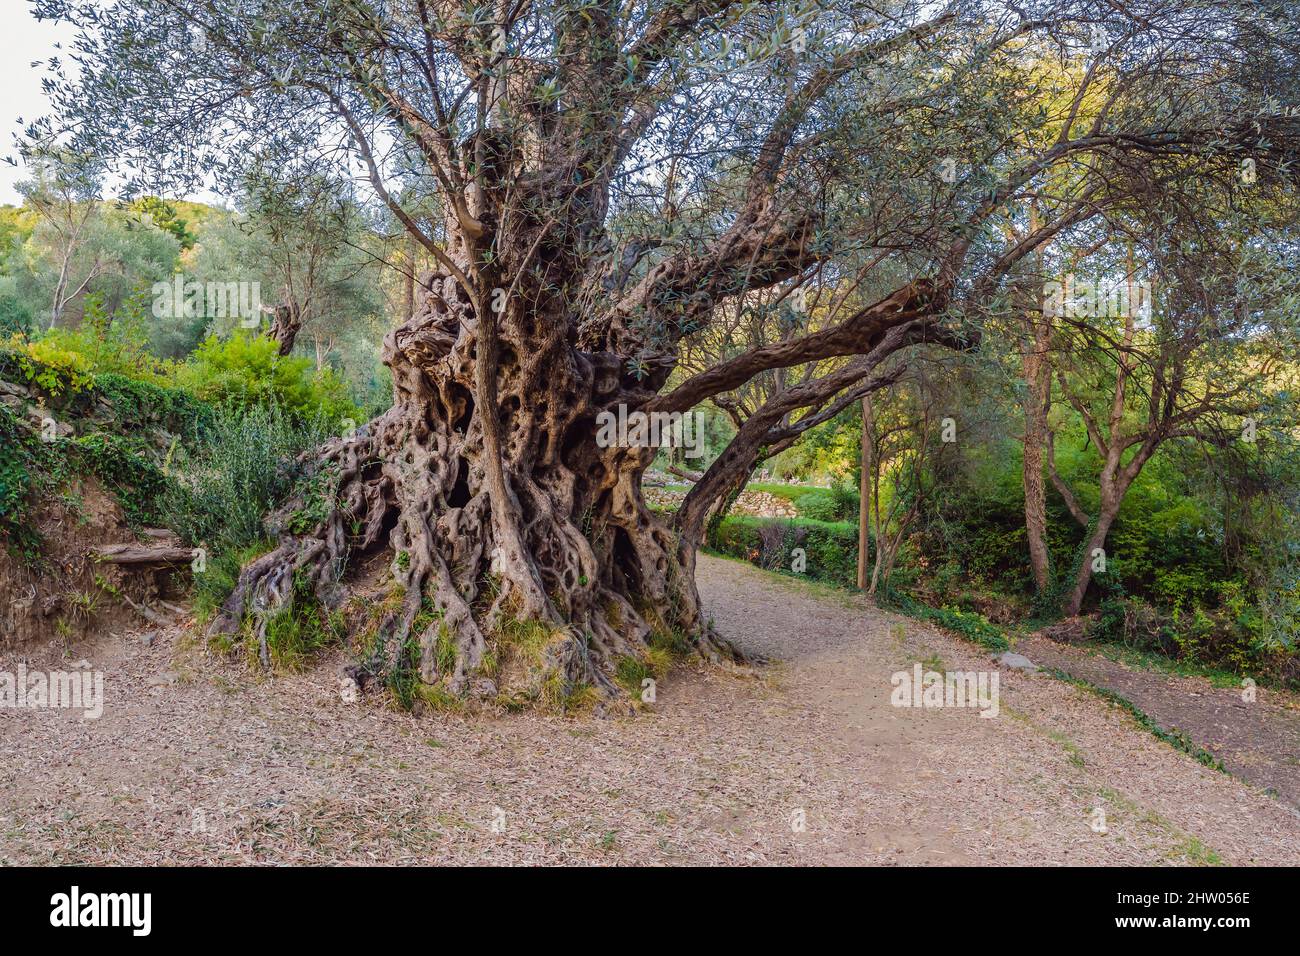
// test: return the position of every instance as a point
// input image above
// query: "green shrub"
(220, 575)
(247, 371)
(66, 361)
(47, 364)
(969, 624)
(28, 467)
(125, 465)
(837, 503)
(15, 312)
(831, 548)
(139, 404)
(242, 470)
(302, 628)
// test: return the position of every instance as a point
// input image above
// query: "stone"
(1017, 662)
(349, 690)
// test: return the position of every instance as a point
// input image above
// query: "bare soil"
(801, 761)
(1257, 740)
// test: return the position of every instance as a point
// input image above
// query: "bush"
(969, 624)
(831, 547)
(837, 503)
(140, 404)
(15, 314)
(125, 466)
(26, 467)
(242, 470)
(46, 363)
(67, 360)
(219, 578)
(246, 371)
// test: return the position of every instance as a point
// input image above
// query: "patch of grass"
(1152, 660)
(581, 697)
(1187, 847)
(522, 653)
(526, 640)
(1196, 853)
(220, 575)
(966, 624)
(933, 662)
(300, 629)
(438, 698)
(1174, 737)
(790, 493)
(672, 642)
(1072, 751)
(629, 672)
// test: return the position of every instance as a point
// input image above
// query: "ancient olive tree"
(609, 175)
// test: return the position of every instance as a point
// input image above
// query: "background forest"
(1100, 433)
(1200, 564)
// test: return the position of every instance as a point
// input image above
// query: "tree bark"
(486, 482)
(286, 321)
(1038, 381)
(864, 485)
(1083, 577)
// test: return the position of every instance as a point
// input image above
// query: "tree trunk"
(408, 283)
(864, 484)
(286, 320)
(525, 561)
(1083, 577)
(1038, 400)
(1037, 375)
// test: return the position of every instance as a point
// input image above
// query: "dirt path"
(1258, 740)
(200, 761)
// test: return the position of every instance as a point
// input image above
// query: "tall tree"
(66, 197)
(791, 137)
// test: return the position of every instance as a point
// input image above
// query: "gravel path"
(802, 761)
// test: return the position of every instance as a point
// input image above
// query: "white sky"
(22, 41)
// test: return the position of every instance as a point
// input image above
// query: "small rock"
(349, 690)
(1017, 662)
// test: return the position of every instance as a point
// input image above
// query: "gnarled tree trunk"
(286, 322)
(487, 484)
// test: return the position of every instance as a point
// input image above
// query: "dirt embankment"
(61, 594)
(52, 590)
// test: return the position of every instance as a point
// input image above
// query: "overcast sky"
(22, 41)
